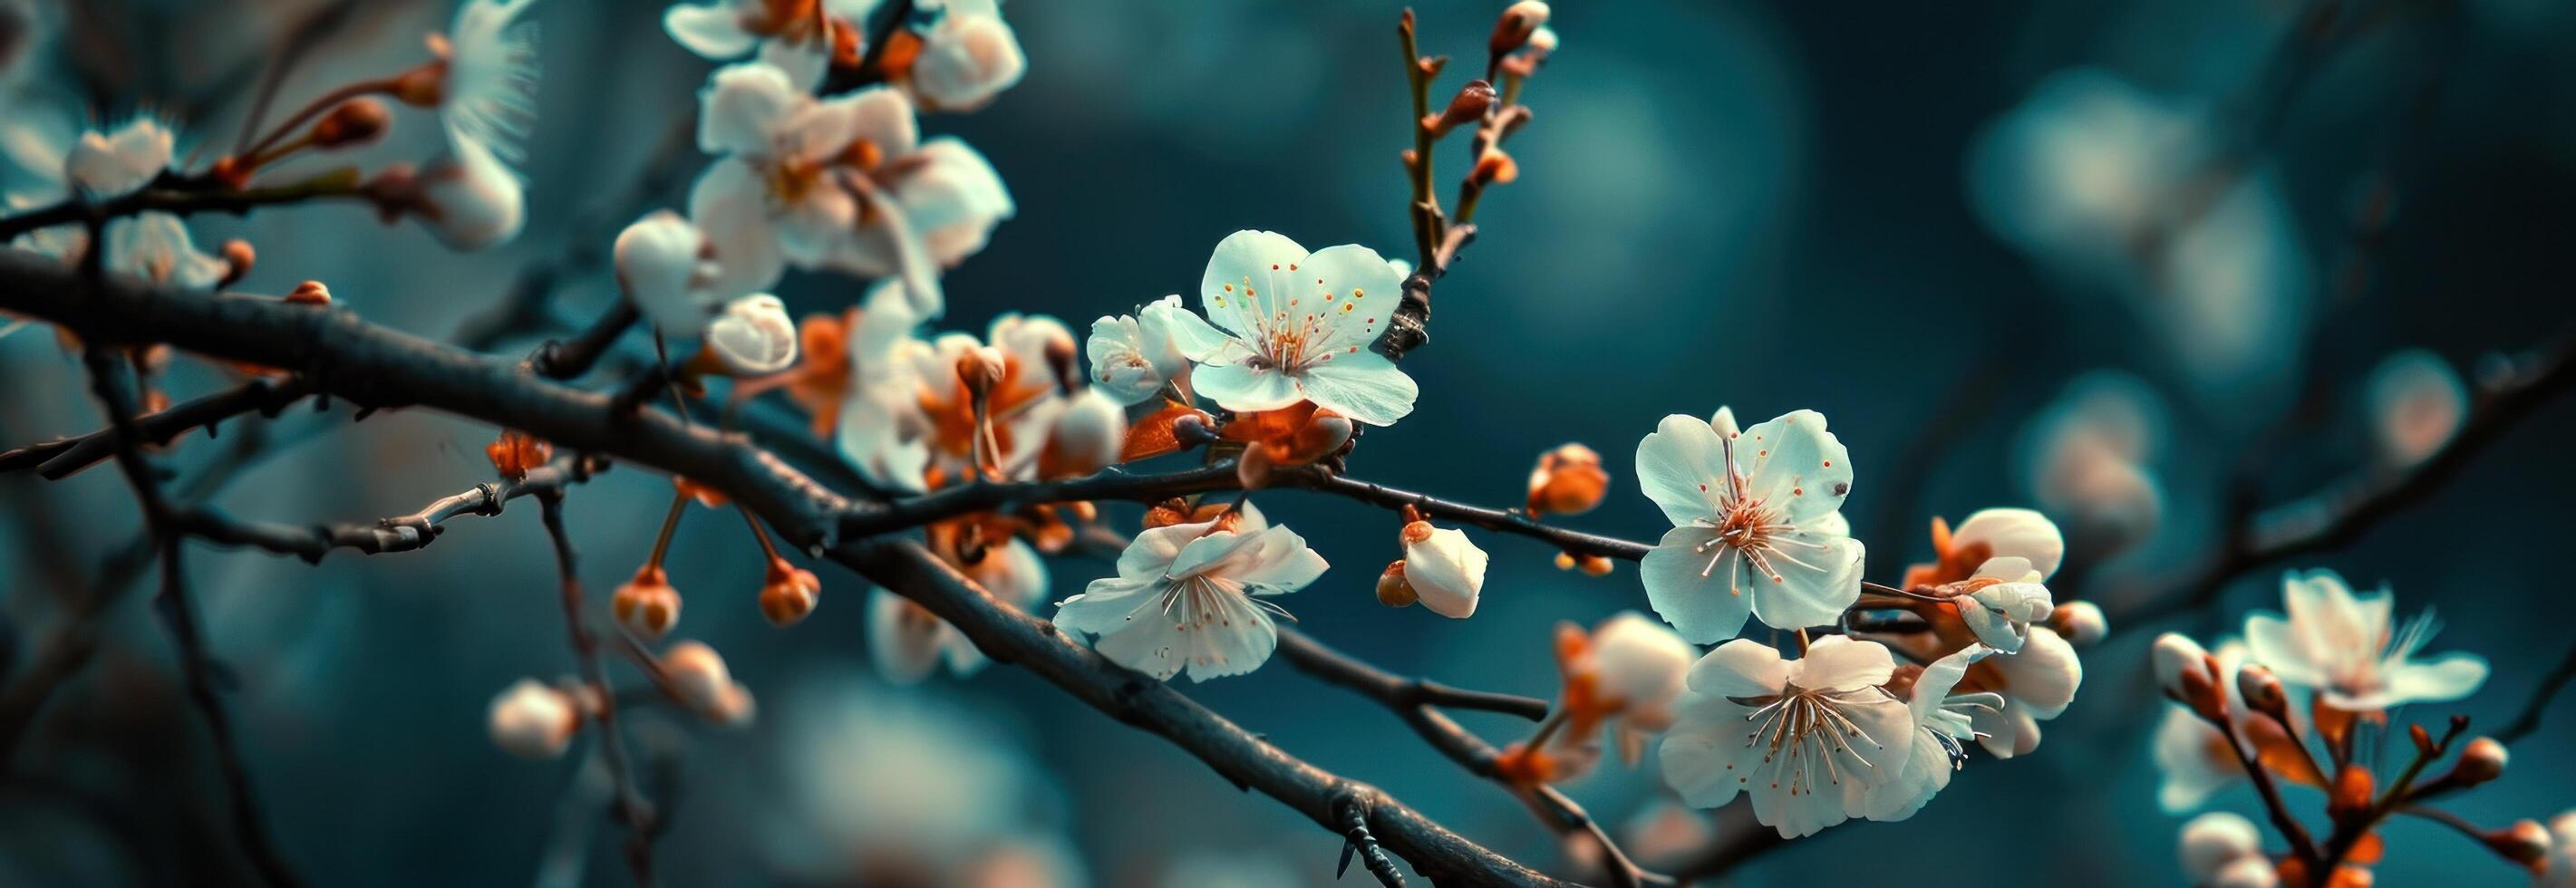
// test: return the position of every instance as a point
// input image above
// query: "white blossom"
(1444, 567)
(754, 336)
(1296, 326)
(772, 198)
(1942, 725)
(1084, 437)
(725, 30)
(700, 676)
(2417, 403)
(969, 56)
(1752, 532)
(2211, 843)
(2348, 649)
(155, 246)
(1807, 739)
(474, 200)
(2558, 869)
(2021, 533)
(489, 97)
(2010, 598)
(1194, 597)
(114, 164)
(1135, 356)
(533, 720)
(2037, 683)
(664, 264)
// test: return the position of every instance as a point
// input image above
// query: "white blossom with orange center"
(774, 197)
(1808, 739)
(1294, 326)
(1756, 525)
(1943, 722)
(1193, 597)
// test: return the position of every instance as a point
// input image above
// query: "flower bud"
(1494, 167)
(1591, 565)
(788, 593)
(1393, 590)
(663, 262)
(2525, 842)
(1639, 663)
(753, 337)
(2262, 690)
(1085, 437)
(517, 453)
(699, 676)
(1323, 433)
(472, 202)
(1445, 568)
(981, 369)
(238, 258)
(1514, 28)
(355, 122)
(2483, 760)
(533, 720)
(2245, 872)
(309, 293)
(2080, 622)
(2175, 656)
(647, 603)
(2353, 788)
(1568, 481)
(2212, 841)
(1468, 106)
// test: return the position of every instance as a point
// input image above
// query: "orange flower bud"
(515, 453)
(705, 495)
(1514, 28)
(424, 86)
(1392, 589)
(647, 603)
(2353, 790)
(1158, 433)
(309, 293)
(2482, 761)
(1495, 167)
(788, 593)
(1468, 106)
(238, 259)
(356, 121)
(1568, 481)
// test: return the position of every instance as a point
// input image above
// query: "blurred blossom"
(488, 100)
(2352, 651)
(2112, 187)
(1665, 832)
(881, 780)
(2558, 870)
(2212, 842)
(2417, 402)
(967, 57)
(2088, 456)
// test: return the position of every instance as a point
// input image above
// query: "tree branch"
(401, 533)
(374, 365)
(62, 457)
(2548, 689)
(628, 805)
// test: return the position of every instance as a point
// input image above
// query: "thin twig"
(400, 533)
(62, 457)
(627, 804)
(2548, 689)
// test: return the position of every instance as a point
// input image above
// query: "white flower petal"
(1683, 469)
(1795, 465)
(1841, 663)
(1241, 388)
(1362, 385)
(730, 204)
(743, 106)
(1819, 577)
(2015, 532)
(713, 30)
(1703, 601)
(1229, 291)
(1447, 571)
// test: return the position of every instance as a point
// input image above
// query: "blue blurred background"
(1858, 208)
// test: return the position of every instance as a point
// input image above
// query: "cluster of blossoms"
(2299, 700)
(845, 184)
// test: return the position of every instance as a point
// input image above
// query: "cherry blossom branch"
(401, 533)
(180, 196)
(2541, 696)
(628, 804)
(61, 457)
(1417, 702)
(178, 614)
(2343, 511)
(375, 365)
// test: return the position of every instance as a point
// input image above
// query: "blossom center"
(1294, 333)
(1806, 740)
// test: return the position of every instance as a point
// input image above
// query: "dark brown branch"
(873, 519)
(626, 803)
(1414, 701)
(375, 365)
(184, 201)
(2339, 514)
(402, 533)
(178, 613)
(61, 457)
(2547, 690)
